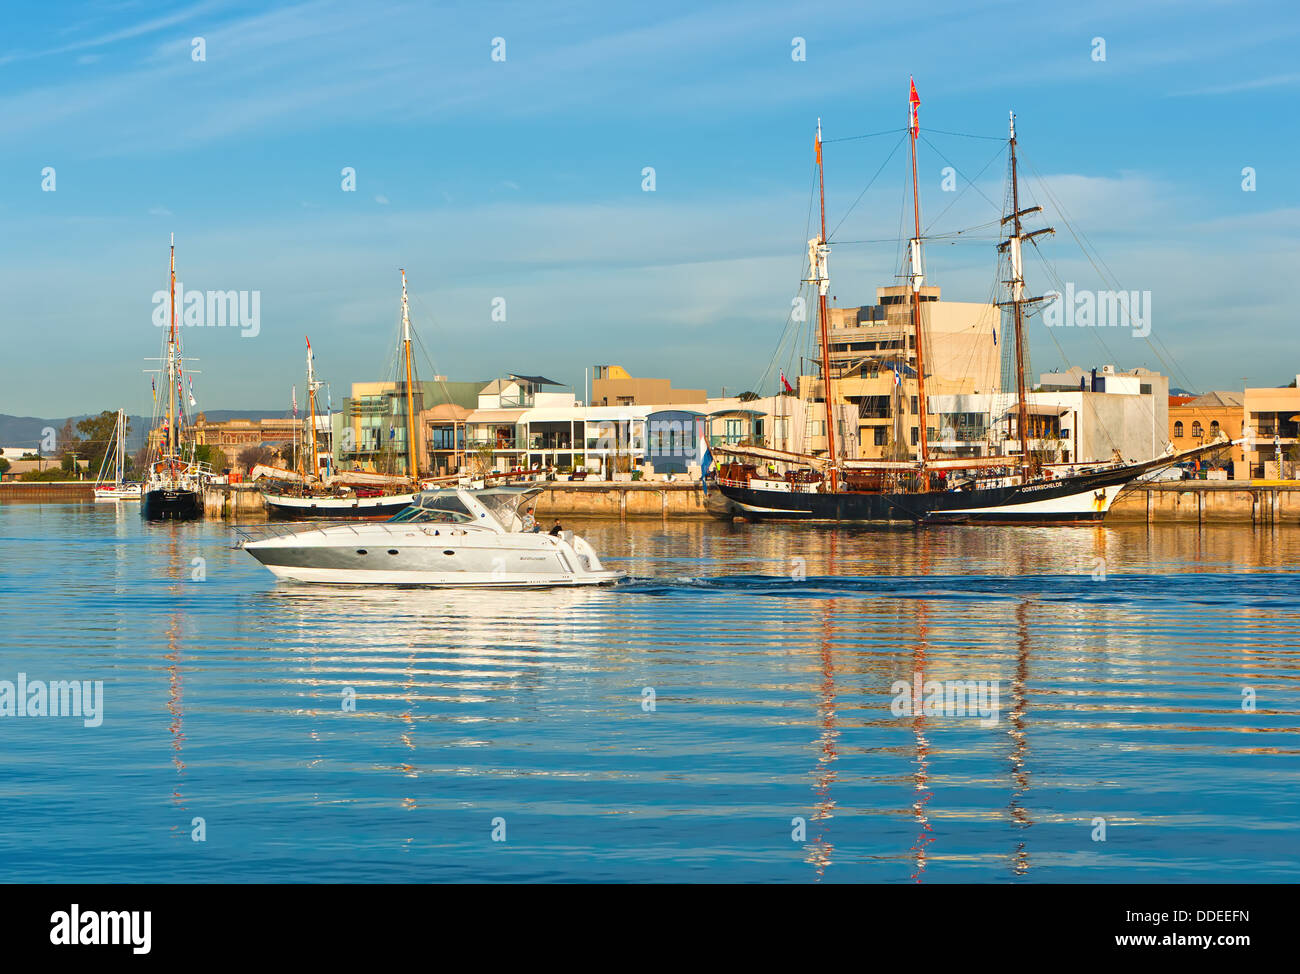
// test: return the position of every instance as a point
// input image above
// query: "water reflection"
(921, 776)
(1019, 739)
(820, 849)
(771, 686)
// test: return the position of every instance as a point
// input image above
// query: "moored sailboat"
(349, 494)
(116, 489)
(1010, 488)
(173, 489)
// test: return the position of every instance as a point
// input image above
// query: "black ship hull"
(307, 508)
(1081, 499)
(171, 504)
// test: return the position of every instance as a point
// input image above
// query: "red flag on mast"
(915, 101)
(788, 387)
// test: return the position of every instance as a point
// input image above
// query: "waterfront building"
(873, 360)
(374, 429)
(611, 385)
(520, 424)
(1075, 417)
(232, 436)
(1272, 429)
(445, 445)
(1194, 420)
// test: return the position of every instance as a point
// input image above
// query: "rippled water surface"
(726, 716)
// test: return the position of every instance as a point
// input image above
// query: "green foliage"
(4, 465)
(95, 439)
(54, 473)
(212, 456)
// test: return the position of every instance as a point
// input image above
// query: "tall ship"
(1016, 486)
(174, 481)
(306, 494)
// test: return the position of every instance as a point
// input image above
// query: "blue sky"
(522, 179)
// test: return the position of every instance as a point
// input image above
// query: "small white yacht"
(450, 537)
(115, 460)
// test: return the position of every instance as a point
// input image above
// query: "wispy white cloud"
(116, 36)
(1253, 84)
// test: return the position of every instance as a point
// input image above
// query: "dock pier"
(1171, 502)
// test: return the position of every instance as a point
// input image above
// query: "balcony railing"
(497, 443)
(550, 442)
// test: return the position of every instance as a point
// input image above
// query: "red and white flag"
(914, 100)
(788, 387)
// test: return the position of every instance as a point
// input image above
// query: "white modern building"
(1074, 417)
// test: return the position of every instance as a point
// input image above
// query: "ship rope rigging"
(798, 333)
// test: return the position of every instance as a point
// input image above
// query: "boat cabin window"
(443, 502)
(416, 515)
(505, 505)
(502, 507)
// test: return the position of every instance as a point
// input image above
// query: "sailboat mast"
(171, 359)
(818, 256)
(1017, 310)
(311, 406)
(917, 278)
(412, 467)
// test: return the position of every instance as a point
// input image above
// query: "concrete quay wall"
(1188, 502)
(1217, 502)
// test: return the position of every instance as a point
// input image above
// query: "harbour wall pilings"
(1188, 502)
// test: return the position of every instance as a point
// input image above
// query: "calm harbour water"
(1120, 654)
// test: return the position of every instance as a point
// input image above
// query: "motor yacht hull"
(427, 555)
(433, 578)
(450, 563)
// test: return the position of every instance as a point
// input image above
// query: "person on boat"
(530, 522)
(556, 529)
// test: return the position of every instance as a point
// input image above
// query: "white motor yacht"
(449, 537)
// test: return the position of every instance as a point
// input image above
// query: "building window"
(882, 436)
(1214, 427)
(916, 436)
(1178, 429)
(1196, 429)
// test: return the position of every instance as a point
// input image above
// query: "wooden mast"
(818, 253)
(171, 360)
(1017, 296)
(1012, 245)
(916, 279)
(412, 466)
